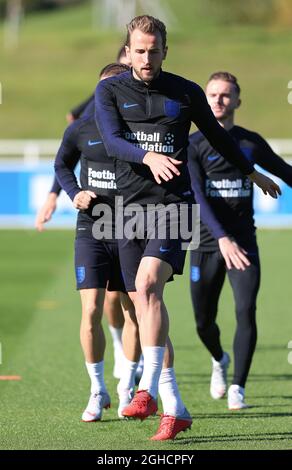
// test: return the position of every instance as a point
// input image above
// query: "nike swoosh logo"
(126, 105)
(164, 250)
(90, 142)
(213, 157)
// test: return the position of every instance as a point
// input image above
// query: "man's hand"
(267, 185)
(234, 255)
(161, 166)
(82, 199)
(46, 211)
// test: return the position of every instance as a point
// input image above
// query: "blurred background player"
(86, 105)
(112, 304)
(228, 237)
(96, 259)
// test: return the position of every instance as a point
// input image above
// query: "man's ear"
(238, 103)
(127, 49)
(165, 52)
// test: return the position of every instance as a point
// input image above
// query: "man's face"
(222, 98)
(146, 54)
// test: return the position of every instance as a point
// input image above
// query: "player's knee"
(146, 287)
(91, 314)
(246, 314)
(112, 300)
(131, 320)
(204, 324)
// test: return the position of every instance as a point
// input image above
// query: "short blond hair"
(226, 77)
(146, 24)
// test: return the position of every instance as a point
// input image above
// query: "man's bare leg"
(152, 317)
(114, 314)
(93, 344)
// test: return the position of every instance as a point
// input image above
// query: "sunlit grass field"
(39, 335)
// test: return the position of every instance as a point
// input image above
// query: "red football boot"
(170, 426)
(142, 406)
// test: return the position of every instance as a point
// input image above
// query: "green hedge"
(33, 5)
(249, 12)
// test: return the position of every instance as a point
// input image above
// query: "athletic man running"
(96, 260)
(228, 237)
(144, 117)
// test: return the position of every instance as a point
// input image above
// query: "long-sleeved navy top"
(223, 192)
(86, 112)
(135, 118)
(82, 141)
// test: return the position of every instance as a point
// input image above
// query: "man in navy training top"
(228, 237)
(112, 304)
(144, 117)
(96, 259)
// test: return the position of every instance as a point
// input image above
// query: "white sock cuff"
(129, 364)
(116, 333)
(155, 352)
(92, 366)
(167, 374)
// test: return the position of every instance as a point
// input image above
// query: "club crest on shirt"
(172, 108)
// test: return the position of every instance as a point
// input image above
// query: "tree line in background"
(264, 12)
(33, 5)
(224, 11)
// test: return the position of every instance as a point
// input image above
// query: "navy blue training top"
(223, 192)
(82, 141)
(135, 118)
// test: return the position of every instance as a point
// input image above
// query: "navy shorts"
(167, 248)
(97, 264)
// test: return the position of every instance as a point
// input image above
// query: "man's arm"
(198, 181)
(233, 254)
(45, 213)
(65, 162)
(272, 162)
(110, 125)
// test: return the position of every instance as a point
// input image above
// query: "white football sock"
(141, 362)
(116, 334)
(169, 393)
(128, 375)
(96, 374)
(153, 360)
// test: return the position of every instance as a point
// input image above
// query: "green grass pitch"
(39, 335)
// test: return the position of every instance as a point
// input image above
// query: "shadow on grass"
(240, 415)
(277, 436)
(283, 397)
(205, 378)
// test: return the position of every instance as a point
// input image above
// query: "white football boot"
(218, 385)
(97, 402)
(125, 397)
(236, 398)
